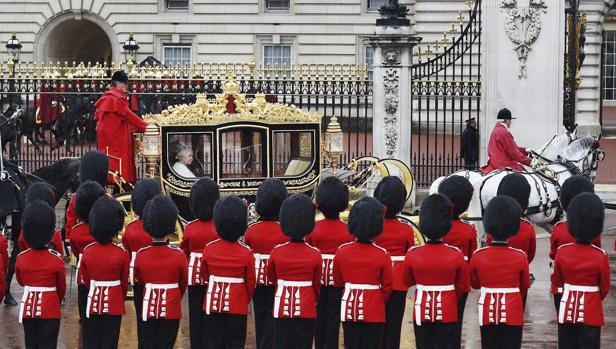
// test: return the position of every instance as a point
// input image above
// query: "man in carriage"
(503, 151)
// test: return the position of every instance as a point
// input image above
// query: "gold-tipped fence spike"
(469, 4)
(460, 18)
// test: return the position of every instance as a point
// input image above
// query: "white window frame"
(367, 9)
(364, 61)
(163, 5)
(274, 10)
(263, 40)
(177, 45)
(604, 76)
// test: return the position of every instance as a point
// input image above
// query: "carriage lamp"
(151, 148)
(13, 47)
(130, 48)
(334, 141)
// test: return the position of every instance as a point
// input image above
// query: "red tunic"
(4, 252)
(71, 218)
(561, 236)
(397, 238)
(229, 269)
(463, 236)
(114, 128)
(525, 239)
(55, 243)
(503, 152)
(501, 272)
(295, 269)
(364, 270)
(262, 237)
(327, 236)
(197, 235)
(43, 276)
(582, 274)
(134, 239)
(163, 271)
(104, 269)
(441, 276)
(80, 238)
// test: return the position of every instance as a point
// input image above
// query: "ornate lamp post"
(13, 47)
(130, 51)
(151, 149)
(334, 141)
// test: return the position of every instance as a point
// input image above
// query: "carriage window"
(293, 153)
(242, 153)
(190, 155)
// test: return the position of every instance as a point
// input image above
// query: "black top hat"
(120, 76)
(469, 120)
(504, 114)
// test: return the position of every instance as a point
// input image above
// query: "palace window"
(369, 60)
(375, 5)
(277, 5)
(176, 54)
(176, 4)
(279, 55)
(609, 65)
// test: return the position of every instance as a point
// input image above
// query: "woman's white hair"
(184, 150)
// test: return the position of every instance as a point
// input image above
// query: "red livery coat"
(364, 270)
(462, 235)
(71, 218)
(397, 238)
(4, 253)
(561, 236)
(229, 269)
(503, 152)
(197, 235)
(582, 274)
(327, 236)
(104, 268)
(295, 269)
(441, 276)
(80, 238)
(55, 243)
(41, 269)
(163, 271)
(114, 128)
(501, 272)
(525, 239)
(262, 237)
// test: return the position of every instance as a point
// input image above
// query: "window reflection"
(190, 155)
(242, 153)
(292, 153)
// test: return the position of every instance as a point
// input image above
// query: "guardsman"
(197, 234)
(364, 270)
(572, 186)
(397, 238)
(503, 152)
(581, 276)
(440, 275)
(136, 238)
(501, 273)
(295, 268)
(229, 268)
(104, 268)
(41, 191)
(162, 270)
(41, 272)
(332, 197)
(516, 186)
(262, 237)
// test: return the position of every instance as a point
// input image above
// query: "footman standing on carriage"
(503, 152)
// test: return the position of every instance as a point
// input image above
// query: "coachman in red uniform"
(295, 268)
(440, 274)
(581, 276)
(397, 238)
(503, 152)
(262, 237)
(42, 191)
(115, 126)
(364, 270)
(104, 268)
(162, 270)
(332, 197)
(41, 272)
(229, 268)
(197, 234)
(501, 273)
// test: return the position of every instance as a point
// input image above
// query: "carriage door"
(243, 152)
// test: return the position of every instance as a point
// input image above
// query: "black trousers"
(362, 335)
(196, 315)
(263, 302)
(578, 336)
(82, 303)
(160, 333)
(138, 302)
(293, 333)
(501, 337)
(327, 330)
(15, 232)
(103, 331)
(394, 312)
(456, 343)
(41, 333)
(557, 298)
(225, 331)
(434, 335)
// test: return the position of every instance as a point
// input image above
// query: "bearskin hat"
(459, 191)
(94, 166)
(160, 216)
(120, 76)
(366, 219)
(297, 216)
(435, 216)
(106, 219)
(270, 196)
(40, 191)
(230, 218)
(86, 196)
(585, 217)
(501, 218)
(573, 186)
(516, 186)
(332, 197)
(144, 191)
(38, 223)
(391, 192)
(203, 196)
